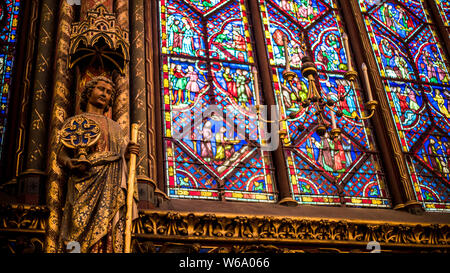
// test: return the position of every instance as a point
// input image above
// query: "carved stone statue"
(93, 154)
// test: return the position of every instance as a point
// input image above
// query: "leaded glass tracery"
(322, 170)
(444, 11)
(207, 61)
(9, 17)
(416, 79)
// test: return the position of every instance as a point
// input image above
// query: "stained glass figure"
(322, 170)
(229, 35)
(302, 11)
(417, 87)
(9, 18)
(326, 44)
(212, 136)
(206, 6)
(181, 29)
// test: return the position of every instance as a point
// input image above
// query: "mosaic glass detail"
(322, 170)
(416, 79)
(444, 11)
(212, 137)
(9, 18)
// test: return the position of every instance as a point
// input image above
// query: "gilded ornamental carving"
(276, 230)
(99, 41)
(247, 233)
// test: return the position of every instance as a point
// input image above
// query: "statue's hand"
(78, 166)
(132, 148)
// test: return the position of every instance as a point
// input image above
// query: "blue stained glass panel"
(9, 17)
(429, 58)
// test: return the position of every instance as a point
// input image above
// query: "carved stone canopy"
(99, 42)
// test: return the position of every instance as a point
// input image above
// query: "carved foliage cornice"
(276, 230)
(20, 218)
(222, 229)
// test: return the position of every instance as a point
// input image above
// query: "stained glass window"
(322, 170)
(415, 71)
(212, 137)
(444, 10)
(9, 16)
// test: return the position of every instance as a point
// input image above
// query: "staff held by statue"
(130, 190)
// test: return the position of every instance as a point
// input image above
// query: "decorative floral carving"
(280, 230)
(23, 218)
(22, 229)
(242, 234)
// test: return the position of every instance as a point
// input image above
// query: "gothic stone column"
(33, 178)
(139, 99)
(61, 109)
(285, 195)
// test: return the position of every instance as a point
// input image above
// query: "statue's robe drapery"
(95, 209)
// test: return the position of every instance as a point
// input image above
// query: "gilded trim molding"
(248, 232)
(229, 228)
(23, 219)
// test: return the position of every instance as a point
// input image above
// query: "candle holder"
(315, 98)
(351, 75)
(336, 132)
(289, 75)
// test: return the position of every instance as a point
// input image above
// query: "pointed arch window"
(415, 73)
(207, 62)
(322, 170)
(207, 58)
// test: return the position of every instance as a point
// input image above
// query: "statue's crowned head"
(89, 87)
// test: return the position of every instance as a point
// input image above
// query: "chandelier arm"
(355, 116)
(313, 84)
(310, 89)
(371, 106)
(350, 76)
(372, 112)
(283, 119)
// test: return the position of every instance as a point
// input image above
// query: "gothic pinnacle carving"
(99, 41)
